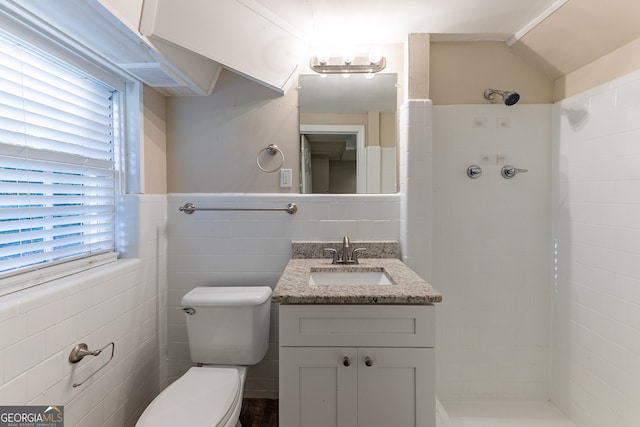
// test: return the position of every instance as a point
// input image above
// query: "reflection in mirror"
(348, 133)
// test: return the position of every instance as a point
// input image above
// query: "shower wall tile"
(596, 222)
(492, 251)
(120, 303)
(238, 248)
(416, 146)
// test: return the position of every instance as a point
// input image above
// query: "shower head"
(508, 97)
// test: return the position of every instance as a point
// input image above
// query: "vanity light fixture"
(354, 65)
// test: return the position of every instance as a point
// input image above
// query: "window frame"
(127, 140)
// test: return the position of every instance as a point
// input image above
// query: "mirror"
(348, 134)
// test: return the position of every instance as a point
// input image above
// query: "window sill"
(19, 281)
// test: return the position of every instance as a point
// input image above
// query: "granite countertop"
(407, 287)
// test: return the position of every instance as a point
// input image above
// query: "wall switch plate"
(285, 178)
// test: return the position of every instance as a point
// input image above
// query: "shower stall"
(540, 273)
(491, 251)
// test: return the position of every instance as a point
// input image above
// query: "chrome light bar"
(340, 66)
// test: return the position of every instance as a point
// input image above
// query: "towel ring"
(271, 149)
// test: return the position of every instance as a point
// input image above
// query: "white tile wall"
(416, 170)
(596, 221)
(120, 303)
(252, 248)
(491, 252)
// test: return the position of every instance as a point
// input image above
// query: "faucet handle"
(354, 254)
(335, 254)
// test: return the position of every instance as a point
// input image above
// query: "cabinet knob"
(346, 361)
(368, 361)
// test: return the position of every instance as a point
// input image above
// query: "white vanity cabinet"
(357, 365)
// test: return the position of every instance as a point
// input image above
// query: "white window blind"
(57, 161)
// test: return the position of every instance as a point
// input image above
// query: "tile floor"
(264, 413)
(259, 413)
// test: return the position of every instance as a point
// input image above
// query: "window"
(57, 162)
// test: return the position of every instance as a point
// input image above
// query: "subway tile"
(603, 264)
(178, 350)
(45, 316)
(62, 335)
(43, 376)
(241, 260)
(23, 355)
(13, 330)
(14, 392)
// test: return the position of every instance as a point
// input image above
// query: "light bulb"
(348, 53)
(375, 55)
(322, 55)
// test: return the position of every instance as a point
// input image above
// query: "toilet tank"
(228, 325)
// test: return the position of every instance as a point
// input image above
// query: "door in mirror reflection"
(332, 160)
(348, 134)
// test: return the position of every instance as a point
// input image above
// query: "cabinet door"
(264, 48)
(397, 389)
(317, 387)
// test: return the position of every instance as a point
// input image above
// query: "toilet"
(228, 329)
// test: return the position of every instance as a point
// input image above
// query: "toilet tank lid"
(226, 296)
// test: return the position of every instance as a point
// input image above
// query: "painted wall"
(596, 226)
(122, 302)
(618, 63)
(212, 142)
(155, 141)
(252, 249)
(578, 33)
(461, 71)
(491, 252)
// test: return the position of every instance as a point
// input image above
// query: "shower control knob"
(346, 361)
(474, 171)
(509, 171)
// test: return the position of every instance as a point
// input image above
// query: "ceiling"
(389, 21)
(559, 36)
(555, 36)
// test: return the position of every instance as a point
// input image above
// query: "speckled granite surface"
(407, 288)
(374, 249)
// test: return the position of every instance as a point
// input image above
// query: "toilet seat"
(202, 397)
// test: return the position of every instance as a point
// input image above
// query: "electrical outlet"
(285, 178)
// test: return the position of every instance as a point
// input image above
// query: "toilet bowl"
(224, 325)
(203, 396)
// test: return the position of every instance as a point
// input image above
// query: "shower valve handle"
(474, 171)
(509, 171)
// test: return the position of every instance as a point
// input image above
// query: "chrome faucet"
(348, 256)
(345, 248)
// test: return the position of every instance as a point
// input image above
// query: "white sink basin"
(349, 278)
